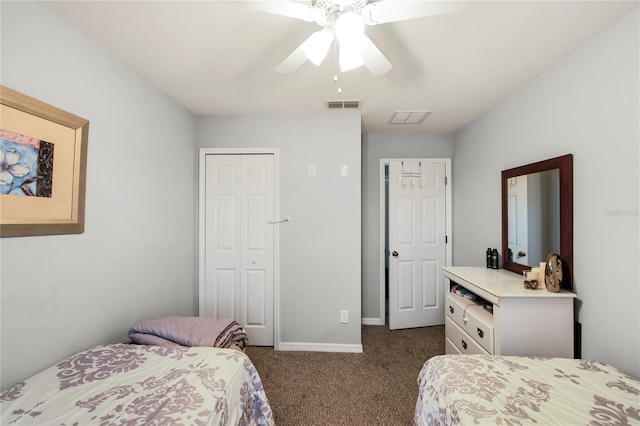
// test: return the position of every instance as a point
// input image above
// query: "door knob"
(521, 253)
(394, 253)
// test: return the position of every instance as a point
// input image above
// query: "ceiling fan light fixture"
(349, 27)
(350, 57)
(317, 45)
(345, 21)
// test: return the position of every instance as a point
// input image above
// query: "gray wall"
(588, 105)
(375, 148)
(136, 259)
(320, 247)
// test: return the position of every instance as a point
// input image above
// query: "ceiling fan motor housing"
(329, 9)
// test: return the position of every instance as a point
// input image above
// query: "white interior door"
(517, 213)
(417, 243)
(239, 243)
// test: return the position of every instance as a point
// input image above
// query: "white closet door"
(239, 242)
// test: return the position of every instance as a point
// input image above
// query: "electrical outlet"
(344, 317)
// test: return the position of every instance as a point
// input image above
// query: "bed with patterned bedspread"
(127, 384)
(495, 390)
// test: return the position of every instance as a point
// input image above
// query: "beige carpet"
(376, 387)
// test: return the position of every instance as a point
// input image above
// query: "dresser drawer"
(472, 318)
(479, 325)
(450, 348)
(455, 306)
(463, 343)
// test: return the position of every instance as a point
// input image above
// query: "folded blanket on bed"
(189, 331)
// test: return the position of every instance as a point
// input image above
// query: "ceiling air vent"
(352, 104)
(408, 117)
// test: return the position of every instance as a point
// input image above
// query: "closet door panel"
(239, 254)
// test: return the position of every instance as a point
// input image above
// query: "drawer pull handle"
(464, 345)
(480, 333)
(451, 309)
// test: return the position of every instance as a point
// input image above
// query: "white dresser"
(514, 320)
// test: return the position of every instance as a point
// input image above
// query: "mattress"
(139, 385)
(496, 390)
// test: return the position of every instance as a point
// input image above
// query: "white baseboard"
(372, 321)
(319, 347)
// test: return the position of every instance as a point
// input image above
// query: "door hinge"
(446, 239)
(445, 181)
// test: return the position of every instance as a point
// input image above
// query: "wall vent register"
(351, 104)
(409, 117)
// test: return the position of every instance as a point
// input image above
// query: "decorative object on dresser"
(537, 215)
(490, 312)
(531, 278)
(554, 272)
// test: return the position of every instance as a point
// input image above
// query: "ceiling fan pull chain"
(335, 68)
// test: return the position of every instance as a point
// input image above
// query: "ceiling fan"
(345, 21)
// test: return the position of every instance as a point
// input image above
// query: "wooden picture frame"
(61, 209)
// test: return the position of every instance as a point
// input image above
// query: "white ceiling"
(217, 59)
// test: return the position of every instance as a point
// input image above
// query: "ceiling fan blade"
(384, 11)
(292, 62)
(373, 58)
(288, 8)
(317, 45)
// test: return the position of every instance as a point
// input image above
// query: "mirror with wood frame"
(537, 215)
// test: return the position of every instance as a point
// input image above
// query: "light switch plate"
(344, 170)
(311, 169)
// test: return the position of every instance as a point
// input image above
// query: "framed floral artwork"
(43, 157)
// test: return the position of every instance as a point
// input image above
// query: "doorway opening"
(386, 245)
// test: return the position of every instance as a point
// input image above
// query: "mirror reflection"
(533, 216)
(537, 212)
